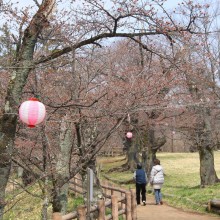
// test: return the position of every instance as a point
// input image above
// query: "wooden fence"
(111, 152)
(121, 202)
(75, 185)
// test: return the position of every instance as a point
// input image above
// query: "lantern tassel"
(31, 126)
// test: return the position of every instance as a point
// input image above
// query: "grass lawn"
(23, 206)
(182, 180)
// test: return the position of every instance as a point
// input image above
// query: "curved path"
(165, 212)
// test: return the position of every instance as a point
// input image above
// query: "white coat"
(157, 176)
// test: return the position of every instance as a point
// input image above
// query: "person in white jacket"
(157, 180)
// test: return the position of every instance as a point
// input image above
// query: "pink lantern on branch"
(32, 112)
(129, 135)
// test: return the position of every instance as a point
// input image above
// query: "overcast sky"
(168, 4)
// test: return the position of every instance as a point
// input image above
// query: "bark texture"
(63, 164)
(7, 134)
(206, 146)
(207, 170)
(132, 150)
(153, 144)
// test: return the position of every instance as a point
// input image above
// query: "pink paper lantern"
(32, 112)
(129, 135)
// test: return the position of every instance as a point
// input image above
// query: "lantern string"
(9, 114)
(169, 107)
(30, 67)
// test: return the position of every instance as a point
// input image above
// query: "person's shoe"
(144, 202)
(157, 204)
(161, 202)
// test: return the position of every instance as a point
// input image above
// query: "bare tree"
(44, 36)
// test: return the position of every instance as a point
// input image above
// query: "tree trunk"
(7, 135)
(205, 145)
(63, 162)
(45, 205)
(56, 203)
(202, 133)
(207, 170)
(44, 209)
(132, 159)
(148, 155)
(150, 146)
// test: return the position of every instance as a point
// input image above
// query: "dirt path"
(165, 212)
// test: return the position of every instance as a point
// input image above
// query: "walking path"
(165, 212)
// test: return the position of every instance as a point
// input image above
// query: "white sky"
(168, 4)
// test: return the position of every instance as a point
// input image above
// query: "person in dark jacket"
(140, 178)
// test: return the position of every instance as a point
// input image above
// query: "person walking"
(140, 178)
(157, 180)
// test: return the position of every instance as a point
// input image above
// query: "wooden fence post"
(133, 205)
(121, 205)
(101, 207)
(128, 205)
(209, 206)
(82, 212)
(105, 184)
(114, 200)
(111, 190)
(56, 216)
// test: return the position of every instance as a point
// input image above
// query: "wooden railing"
(76, 186)
(115, 151)
(121, 202)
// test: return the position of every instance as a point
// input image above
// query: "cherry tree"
(50, 30)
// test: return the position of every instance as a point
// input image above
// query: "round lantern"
(32, 112)
(129, 135)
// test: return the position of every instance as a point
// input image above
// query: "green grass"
(25, 206)
(22, 205)
(182, 181)
(74, 202)
(106, 163)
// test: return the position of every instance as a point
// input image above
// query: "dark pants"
(140, 189)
